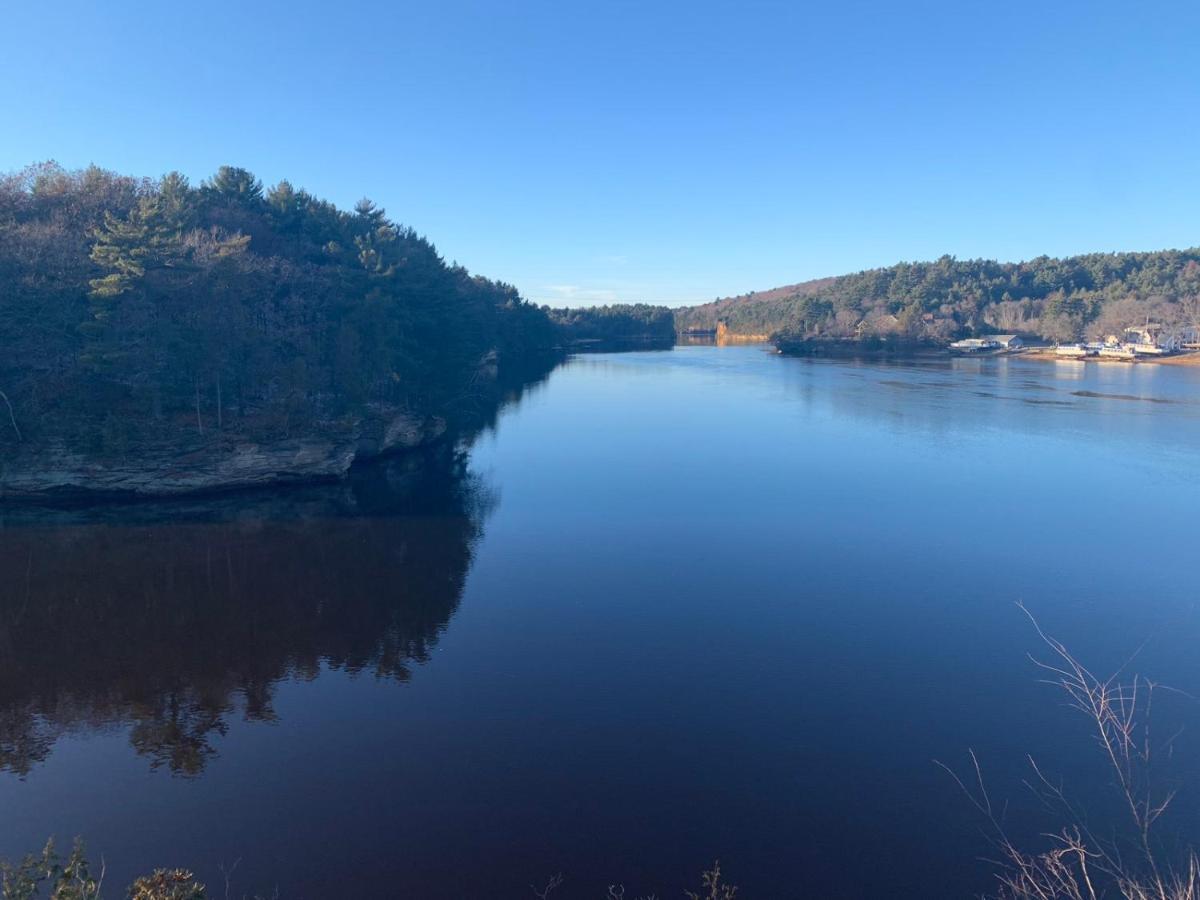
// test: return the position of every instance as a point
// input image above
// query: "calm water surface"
(678, 605)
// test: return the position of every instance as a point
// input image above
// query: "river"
(675, 606)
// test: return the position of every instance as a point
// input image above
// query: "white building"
(1153, 340)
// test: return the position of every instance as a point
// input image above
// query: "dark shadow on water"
(618, 345)
(1101, 396)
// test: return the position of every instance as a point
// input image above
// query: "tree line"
(615, 322)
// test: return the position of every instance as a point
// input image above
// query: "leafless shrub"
(227, 875)
(11, 416)
(551, 885)
(617, 892)
(712, 889)
(1079, 863)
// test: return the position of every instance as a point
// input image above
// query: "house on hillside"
(877, 325)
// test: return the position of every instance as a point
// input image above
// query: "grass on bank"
(48, 875)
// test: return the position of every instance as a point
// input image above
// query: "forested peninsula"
(162, 337)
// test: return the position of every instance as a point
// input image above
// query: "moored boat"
(974, 346)
(1073, 351)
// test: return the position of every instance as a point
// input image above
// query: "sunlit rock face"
(193, 462)
(222, 461)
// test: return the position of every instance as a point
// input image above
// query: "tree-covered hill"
(135, 310)
(632, 323)
(1057, 299)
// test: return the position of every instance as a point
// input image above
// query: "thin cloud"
(575, 295)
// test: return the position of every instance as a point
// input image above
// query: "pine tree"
(238, 185)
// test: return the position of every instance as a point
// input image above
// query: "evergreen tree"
(236, 185)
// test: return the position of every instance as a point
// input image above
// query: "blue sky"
(666, 152)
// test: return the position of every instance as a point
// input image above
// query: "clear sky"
(667, 152)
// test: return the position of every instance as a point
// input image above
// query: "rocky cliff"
(222, 461)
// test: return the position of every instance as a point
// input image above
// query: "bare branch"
(11, 416)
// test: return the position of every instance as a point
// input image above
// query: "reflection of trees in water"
(171, 618)
(170, 626)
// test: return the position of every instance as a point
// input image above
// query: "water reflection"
(169, 619)
(821, 564)
(173, 627)
(952, 396)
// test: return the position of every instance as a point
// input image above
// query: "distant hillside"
(705, 315)
(619, 323)
(1056, 299)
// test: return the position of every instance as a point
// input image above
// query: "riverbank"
(909, 349)
(220, 462)
(177, 464)
(1190, 358)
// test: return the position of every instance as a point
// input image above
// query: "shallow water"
(708, 602)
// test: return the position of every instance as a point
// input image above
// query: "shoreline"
(1044, 354)
(841, 349)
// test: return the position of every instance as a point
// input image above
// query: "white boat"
(972, 346)
(1147, 350)
(1073, 351)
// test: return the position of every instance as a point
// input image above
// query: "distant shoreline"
(909, 349)
(1190, 358)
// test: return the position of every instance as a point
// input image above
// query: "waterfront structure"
(1074, 351)
(992, 343)
(974, 345)
(1153, 340)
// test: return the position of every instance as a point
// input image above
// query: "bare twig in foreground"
(1078, 865)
